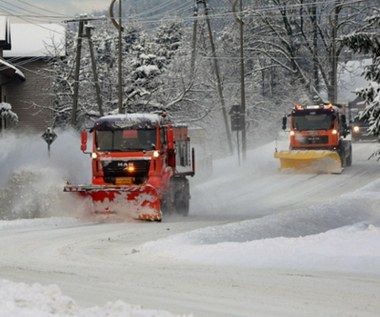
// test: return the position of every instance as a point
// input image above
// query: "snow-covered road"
(257, 242)
(100, 263)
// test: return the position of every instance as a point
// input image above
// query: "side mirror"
(284, 121)
(83, 145)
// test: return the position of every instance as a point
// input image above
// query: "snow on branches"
(367, 41)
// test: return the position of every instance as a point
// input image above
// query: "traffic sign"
(237, 118)
(49, 136)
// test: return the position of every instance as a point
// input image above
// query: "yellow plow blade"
(315, 161)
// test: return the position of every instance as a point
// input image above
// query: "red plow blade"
(138, 202)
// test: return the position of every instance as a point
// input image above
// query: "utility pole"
(119, 27)
(82, 21)
(94, 71)
(333, 89)
(242, 77)
(314, 19)
(216, 65)
(76, 72)
(194, 41)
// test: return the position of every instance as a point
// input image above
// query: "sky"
(51, 9)
(72, 7)
(332, 230)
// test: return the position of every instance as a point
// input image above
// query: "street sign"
(237, 118)
(49, 136)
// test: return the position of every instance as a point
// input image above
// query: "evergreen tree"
(367, 41)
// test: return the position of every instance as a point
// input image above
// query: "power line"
(182, 7)
(17, 7)
(157, 8)
(40, 8)
(142, 18)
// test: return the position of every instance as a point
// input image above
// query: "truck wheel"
(342, 150)
(182, 197)
(167, 204)
(342, 158)
(349, 157)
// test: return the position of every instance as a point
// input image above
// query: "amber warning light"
(131, 168)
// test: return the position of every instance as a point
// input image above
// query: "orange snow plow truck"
(140, 165)
(318, 139)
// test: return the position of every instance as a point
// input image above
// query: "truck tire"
(349, 157)
(182, 197)
(167, 203)
(345, 153)
(340, 151)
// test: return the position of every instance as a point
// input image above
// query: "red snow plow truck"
(318, 139)
(140, 165)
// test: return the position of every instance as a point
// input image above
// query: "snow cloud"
(32, 181)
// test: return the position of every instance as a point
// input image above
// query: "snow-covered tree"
(367, 40)
(147, 65)
(301, 38)
(8, 118)
(146, 57)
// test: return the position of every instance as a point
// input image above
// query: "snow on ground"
(351, 248)
(22, 300)
(340, 235)
(31, 185)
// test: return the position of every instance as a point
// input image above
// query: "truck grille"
(117, 168)
(316, 140)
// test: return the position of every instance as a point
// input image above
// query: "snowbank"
(22, 300)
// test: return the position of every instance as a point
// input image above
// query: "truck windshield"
(313, 122)
(125, 140)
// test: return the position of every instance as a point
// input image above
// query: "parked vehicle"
(359, 126)
(359, 131)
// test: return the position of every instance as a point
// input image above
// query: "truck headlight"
(356, 129)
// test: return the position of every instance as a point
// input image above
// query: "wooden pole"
(76, 74)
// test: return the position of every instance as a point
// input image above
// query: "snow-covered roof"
(10, 70)
(129, 120)
(37, 40)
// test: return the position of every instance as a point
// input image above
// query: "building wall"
(31, 99)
